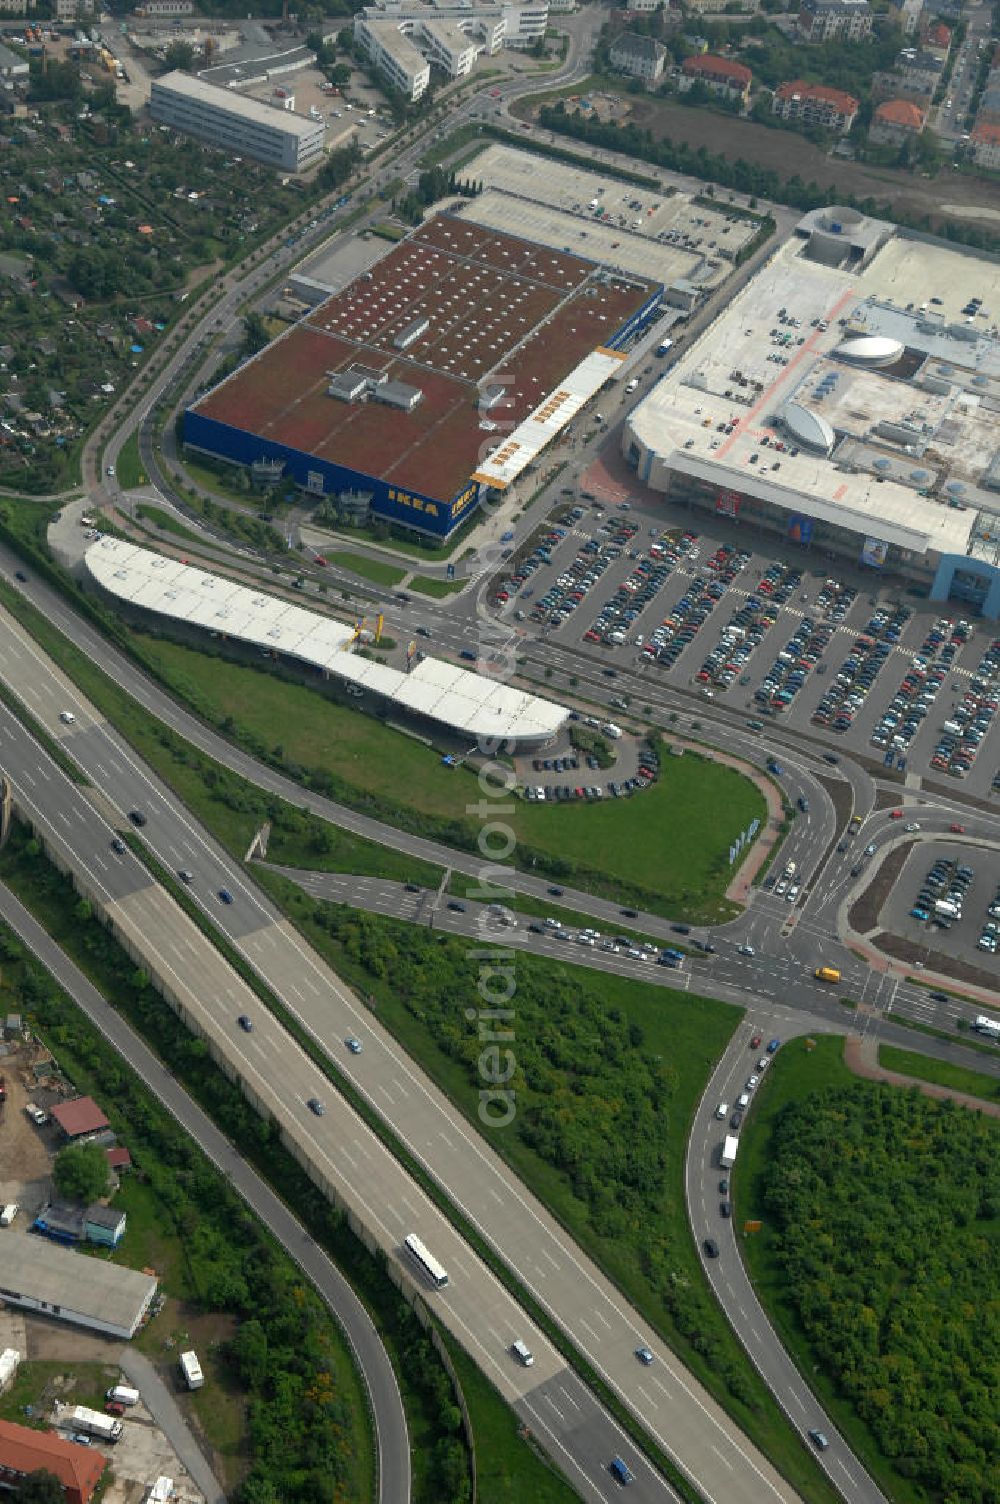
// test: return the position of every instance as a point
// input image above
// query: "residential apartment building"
(988, 112)
(276, 137)
(815, 104)
(16, 7)
(638, 56)
(819, 20)
(986, 146)
(937, 40)
(919, 71)
(896, 121)
(906, 14)
(723, 75)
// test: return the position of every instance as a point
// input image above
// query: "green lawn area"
(131, 472)
(375, 570)
(668, 846)
(41, 1381)
(223, 486)
(167, 522)
(508, 1468)
(941, 1072)
(437, 588)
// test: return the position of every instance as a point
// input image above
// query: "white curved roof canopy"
(808, 428)
(870, 350)
(473, 704)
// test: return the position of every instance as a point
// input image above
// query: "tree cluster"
(80, 1172)
(886, 1206)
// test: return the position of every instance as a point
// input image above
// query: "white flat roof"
(468, 702)
(190, 87)
(550, 416)
(678, 423)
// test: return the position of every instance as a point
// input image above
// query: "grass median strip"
(940, 1072)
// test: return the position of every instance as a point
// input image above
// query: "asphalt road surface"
(576, 1431)
(371, 1358)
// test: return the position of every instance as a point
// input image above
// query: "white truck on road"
(989, 1026)
(728, 1156)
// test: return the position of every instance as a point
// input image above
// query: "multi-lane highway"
(760, 979)
(374, 1364)
(342, 1153)
(682, 1418)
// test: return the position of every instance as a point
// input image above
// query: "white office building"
(405, 38)
(247, 127)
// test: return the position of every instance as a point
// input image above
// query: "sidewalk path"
(861, 1057)
(882, 961)
(165, 1411)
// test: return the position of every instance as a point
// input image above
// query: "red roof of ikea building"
(452, 306)
(24, 1451)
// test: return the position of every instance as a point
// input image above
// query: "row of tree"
(742, 176)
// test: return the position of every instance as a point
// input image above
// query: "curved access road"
(370, 1357)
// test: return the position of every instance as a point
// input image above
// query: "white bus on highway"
(428, 1265)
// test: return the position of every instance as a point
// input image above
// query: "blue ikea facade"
(321, 477)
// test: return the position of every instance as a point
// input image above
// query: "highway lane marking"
(547, 1255)
(442, 1136)
(724, 1460)
(797, 1398)
(648, 1397)
(550, 1401)
(589, 1329)
(569, 1398)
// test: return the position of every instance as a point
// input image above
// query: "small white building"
(10, 1362)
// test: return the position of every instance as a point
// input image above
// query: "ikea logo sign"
(415, 503)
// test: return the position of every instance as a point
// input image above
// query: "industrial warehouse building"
(847, 400)
(50, 1281)
(472, 704)
(276, 137)
(441, 372)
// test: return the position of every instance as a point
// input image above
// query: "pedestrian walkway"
(861, 1057)
(880, 960)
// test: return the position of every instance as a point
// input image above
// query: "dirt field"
(950, 193)
(25, 1157)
